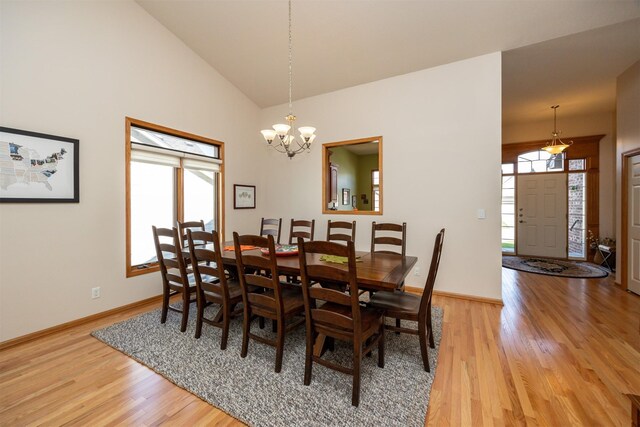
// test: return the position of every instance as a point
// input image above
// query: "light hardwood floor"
(560, 352)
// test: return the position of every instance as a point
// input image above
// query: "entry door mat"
(553, 267)
(249, 390)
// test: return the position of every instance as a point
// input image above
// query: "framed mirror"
(352, 177)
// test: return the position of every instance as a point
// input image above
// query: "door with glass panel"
(542, 215)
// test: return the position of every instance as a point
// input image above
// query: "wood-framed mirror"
(352, 177)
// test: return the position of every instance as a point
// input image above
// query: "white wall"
(571, 126)
(441, 157)
(76, 69)
(628, 131)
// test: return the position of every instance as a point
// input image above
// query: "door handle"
(522, 222)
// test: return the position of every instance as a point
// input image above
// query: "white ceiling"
(339, 44)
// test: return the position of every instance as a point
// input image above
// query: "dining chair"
(406, 306)
(301, 228)
(388, 240)
(189, 225)
(341, 235)
(271, 227)
(265, 296)
(334, 314)
(212, 284)
(173, 269)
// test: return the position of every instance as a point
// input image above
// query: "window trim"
(132, 271)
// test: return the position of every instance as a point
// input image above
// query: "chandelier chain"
(290, 63)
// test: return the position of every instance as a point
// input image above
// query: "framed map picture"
(244, 196)
(38, 168)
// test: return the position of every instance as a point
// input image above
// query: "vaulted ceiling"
(339, 44)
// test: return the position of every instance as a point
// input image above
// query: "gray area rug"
(554, 267)
(250, 390)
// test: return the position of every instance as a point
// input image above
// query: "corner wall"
(77, 69)
(441, 130)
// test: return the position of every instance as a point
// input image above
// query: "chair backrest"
(303, 228)
(341, 236)
(170, 257)
(312, 269)
(425, 302)
(386, 239)
(206, 263)
(189, 225)
(271, 227)
(251, 265)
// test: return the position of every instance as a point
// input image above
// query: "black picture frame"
(11, 138)
(244, 196)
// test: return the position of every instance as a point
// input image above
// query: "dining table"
(374, 271)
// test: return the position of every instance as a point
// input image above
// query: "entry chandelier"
(288, 143)
(555, 146)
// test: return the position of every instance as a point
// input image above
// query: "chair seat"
(292, 300)
(370, 318)
(235, 292)
(396, 302)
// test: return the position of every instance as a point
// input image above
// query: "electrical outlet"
(95, 292)
(416, 271)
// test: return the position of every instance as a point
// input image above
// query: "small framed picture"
(354, 201)
(38, 168)
(244, 196)
(346, 197)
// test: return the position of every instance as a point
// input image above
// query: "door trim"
(625, 217)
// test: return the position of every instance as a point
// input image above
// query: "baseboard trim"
(52, 330)
(474, 298)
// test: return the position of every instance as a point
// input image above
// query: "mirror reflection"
(352, 177)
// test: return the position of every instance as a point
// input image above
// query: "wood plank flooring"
(560, 352)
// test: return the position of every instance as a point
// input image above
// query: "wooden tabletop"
(382, 272)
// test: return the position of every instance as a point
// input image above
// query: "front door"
(633, 206)
(542, 215)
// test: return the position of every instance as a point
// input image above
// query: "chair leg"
(246, 328)
(226, 318)
(165, 306)
(397, 325)
(279, 344)
(432, 344)
(274, 325)
(185, 311)
(200, 315)
(261, 322)
(422, 335)
(381, 347)
(357, 359)
(308, 362)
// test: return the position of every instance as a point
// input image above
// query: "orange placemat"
(242, 248)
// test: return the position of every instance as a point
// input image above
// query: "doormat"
(554, 267)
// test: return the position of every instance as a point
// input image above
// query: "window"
(508, 209)
(540, 161)
(171, 176)
(375, 189)
(577, 183)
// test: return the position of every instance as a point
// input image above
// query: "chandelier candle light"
(286, 132)
(555, 146)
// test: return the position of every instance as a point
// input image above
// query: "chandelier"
(555, 146)
(287, 141)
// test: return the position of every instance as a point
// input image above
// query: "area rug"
(552, 267)
(249, 389)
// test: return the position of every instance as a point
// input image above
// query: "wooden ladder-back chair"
(301, 228)
(173, 269)
(265, 296)
(189, 225)
(212, 284)
(341, 236)
(376, 239)
(406, 306)
(340, 315)
(271, 227)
